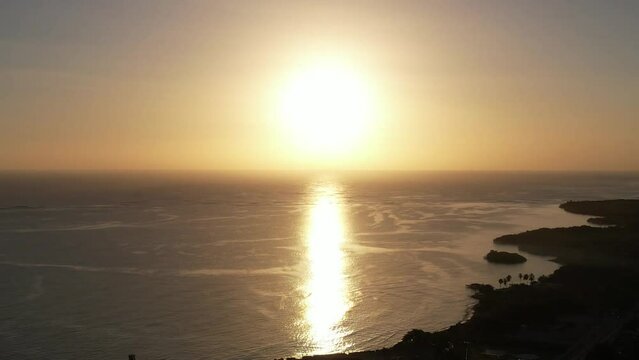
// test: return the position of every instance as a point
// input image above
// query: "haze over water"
(204, 266)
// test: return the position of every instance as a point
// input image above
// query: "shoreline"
(596, 287)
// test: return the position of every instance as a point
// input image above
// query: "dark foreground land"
(587, 309)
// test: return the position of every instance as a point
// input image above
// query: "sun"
(327, 108)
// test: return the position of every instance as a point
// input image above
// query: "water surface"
(205, 266)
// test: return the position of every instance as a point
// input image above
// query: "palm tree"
(525, 277)
(501, 282)
(508, 278)
(520, 276)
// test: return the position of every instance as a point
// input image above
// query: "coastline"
(581, 308)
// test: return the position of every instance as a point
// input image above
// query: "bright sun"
(327, 107)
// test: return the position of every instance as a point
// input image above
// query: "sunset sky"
(380, 85)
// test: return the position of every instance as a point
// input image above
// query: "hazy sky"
(475, 85)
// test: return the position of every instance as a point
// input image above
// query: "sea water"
(259, 266)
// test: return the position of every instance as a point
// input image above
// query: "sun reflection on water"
(326, 287)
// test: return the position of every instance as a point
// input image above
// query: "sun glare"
(327, 107)
(327, 284)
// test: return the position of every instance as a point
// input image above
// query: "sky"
(448, 85)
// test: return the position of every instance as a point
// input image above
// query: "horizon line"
(212, 170)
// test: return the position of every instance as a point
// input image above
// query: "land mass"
(587, 309)
(504, 257)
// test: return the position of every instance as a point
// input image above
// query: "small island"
(504, 257)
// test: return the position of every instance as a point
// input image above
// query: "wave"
(121, 270)
(280, 270)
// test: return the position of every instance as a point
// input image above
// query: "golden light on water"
(327, 300)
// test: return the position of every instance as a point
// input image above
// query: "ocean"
(196, 265)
